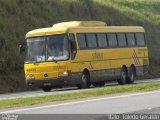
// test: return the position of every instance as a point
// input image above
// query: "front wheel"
(84, 82)
(47, 89)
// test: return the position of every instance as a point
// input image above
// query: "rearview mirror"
(21, 48)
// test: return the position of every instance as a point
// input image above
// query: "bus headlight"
(62, 74)
(30, 76)
(66, 73)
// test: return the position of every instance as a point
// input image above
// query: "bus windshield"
(49, 48)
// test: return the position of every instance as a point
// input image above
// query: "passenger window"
(131, 39)
(91, 40)
(112, 40)
(102, 40)
(81, 41)
(140, 39)
(121, 39)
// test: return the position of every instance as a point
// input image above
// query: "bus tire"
(132, 75)
(98, 84)
(84, 82)
(46, 89)
(123, 76)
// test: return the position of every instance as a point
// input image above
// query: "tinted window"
(112, 40)
(140, 39)
(121, 39)
(35, 50)
(102, 40)
(81, 41)
(57, 47)
(91, 40)
(131, 39)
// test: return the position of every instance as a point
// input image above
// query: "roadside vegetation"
(20, 16)
(97, 92)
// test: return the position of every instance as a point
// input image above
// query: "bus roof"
(82, 26)
(46, 31)
(108, 29)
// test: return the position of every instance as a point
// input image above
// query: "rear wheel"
(84, 82)
(47, 89)
(132, 75)
(98, 84)
(123, 76)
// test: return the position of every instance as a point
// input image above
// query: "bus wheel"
(47, 89)
(84, 82)
(98, 84)
(132, 75)
(123, 76)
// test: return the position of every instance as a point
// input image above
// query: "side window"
(102, 40)
(81, 41)
(140, 39)
(131, 39)
(91, 40)
(121, 39)
(112, 40)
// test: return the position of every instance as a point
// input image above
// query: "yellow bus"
(84, 53)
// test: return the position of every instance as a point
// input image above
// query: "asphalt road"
(60, 91)
(95, 109)
(108, 105)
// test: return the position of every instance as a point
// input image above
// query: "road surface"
(94, 109)
(108, 105)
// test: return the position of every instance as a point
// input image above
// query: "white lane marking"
(77, 102)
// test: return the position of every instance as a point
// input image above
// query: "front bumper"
(57, 82)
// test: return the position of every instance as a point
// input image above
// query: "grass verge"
(108, 90)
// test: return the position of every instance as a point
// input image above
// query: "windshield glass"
(35, 50)
(57, 47)
(49, 48)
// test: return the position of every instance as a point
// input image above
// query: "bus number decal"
(59, 67)
(97, 56)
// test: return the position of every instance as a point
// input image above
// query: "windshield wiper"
(32, 62)
(52, 59)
